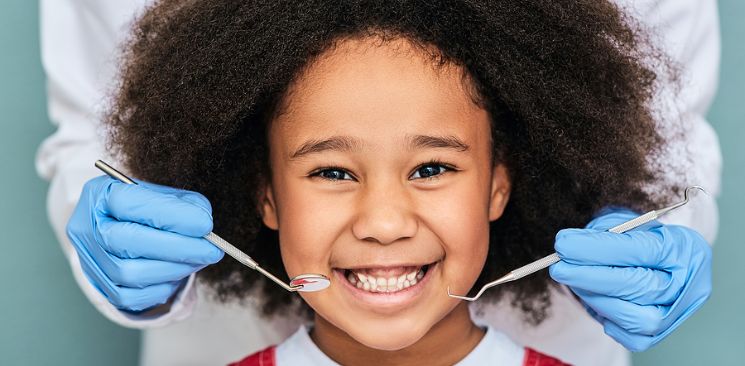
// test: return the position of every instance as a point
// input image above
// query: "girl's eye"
(332, 174)
(431, 170)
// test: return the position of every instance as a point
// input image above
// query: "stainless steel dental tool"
(309, 282)
(553, 258)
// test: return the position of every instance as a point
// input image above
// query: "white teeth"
(380, 284)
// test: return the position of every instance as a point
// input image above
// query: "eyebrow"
(349, 144)
(437, 142)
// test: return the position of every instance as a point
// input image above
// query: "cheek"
(461, 222)
(308, 225)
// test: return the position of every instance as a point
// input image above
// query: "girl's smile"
(389, 289)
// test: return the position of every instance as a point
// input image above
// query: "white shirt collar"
(494, 349)
(299, 349)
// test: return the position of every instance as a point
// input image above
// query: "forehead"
(379, 92)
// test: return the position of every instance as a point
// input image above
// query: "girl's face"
(381, 179)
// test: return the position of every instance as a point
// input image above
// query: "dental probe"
(548, 260)
(309, 282)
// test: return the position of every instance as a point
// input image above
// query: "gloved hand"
(138, 243)
(641, 284)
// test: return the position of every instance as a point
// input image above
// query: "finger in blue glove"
(138, 243)
(641, 285)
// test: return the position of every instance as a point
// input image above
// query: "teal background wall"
(44, 318)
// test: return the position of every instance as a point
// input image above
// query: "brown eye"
(429, 171)
(333, 174)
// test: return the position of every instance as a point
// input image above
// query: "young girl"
(400, 148)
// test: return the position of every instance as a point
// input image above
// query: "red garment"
(535, 358)
(265, 357)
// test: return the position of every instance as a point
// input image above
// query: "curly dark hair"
(568, 85)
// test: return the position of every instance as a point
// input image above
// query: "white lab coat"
(79, 41)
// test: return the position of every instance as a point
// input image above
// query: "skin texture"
(380, 208)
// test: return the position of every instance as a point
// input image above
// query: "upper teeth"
(385, 284)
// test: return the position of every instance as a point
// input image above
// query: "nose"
(385, 215)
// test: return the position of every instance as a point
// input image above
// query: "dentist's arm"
(643, 284)
(79, 41)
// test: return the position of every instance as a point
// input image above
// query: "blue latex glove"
(138, 243)
(640, 285)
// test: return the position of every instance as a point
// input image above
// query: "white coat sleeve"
(79, 44)
(687, 31)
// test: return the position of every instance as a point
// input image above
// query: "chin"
(388, 337)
